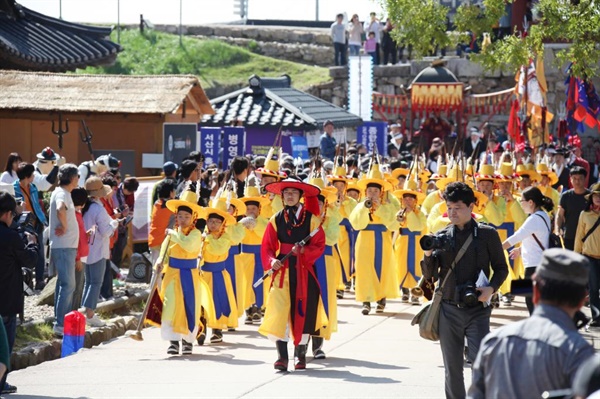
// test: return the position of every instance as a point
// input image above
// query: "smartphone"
(522, 287)
(127, 220)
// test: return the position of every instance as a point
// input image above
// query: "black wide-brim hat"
(308, 190)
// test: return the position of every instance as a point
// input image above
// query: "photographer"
(14, 255)
(464, 312)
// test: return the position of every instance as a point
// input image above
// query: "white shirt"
(374, 27)
(531, 253)
(71, 237)
(9, 177)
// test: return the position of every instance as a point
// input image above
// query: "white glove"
(61, 161)
(114, 223)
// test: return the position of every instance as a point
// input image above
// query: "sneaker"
(94, 322)
(173, 349)
(216, 337)
(339, 294)
(415, 300)
(248, 320)
(7, 388)
(595, 323)
(380, 305)
(506, 300)
(230, 329)
(186, 347)
(319, 354)
(366, 308)
(405, 298)
(495, 301)
(58, 331)
(256, 316)
(348, 286)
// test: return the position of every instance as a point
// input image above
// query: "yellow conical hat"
(529, 171)
(328, 192)
(252, 194)
(231, 196)
(543, 170)
(376, 177)
(442, 172)
(271, 167)
(486, 172)
(454, 174)
(410, 187)
(396, 173)
(506, 173)
(188, 199)
(220, 208)
(339, 174)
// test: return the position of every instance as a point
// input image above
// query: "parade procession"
(398, 202)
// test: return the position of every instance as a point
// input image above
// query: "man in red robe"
(294, 304)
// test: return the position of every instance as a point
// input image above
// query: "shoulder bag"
(428, 318)
(554, 240)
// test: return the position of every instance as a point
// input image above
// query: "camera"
(437, 241)
(468, 296)
(25, 224)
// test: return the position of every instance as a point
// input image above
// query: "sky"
(197, 12)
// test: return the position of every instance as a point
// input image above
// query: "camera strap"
(457, 259)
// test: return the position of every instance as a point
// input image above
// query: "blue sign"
(372, 134)
(299, 147)
(210, 142)
(234, 143)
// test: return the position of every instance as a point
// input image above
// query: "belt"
(378, 230)
(254, 250)
(219, 290)
(461, 305)
(185, 267)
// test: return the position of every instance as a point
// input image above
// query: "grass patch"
(33, 334)
(214, 62)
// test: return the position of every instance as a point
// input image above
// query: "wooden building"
(123, 112)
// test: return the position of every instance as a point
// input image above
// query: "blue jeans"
(594, 287)
(10, 325)
(41, 262)
(354, 49)
(94, 275)
(63, 260)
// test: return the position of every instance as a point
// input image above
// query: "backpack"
(554, 241)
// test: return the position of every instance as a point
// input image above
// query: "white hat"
(475, 132)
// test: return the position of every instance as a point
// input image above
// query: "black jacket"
(13, 256)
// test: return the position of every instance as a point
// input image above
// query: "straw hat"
(95, 187)
(455, 174)
(271, 167)
(306, 189)
(528, 170)
(595, 189)
(410, 187)
(392, 180)
(353, 185)
(506, 173)
(219, 208)
(396, 173)
(189, 200)
(374, 176)
(252, 194)
(543, 170)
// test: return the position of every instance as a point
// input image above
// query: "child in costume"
(294, 304)
(183, 292)
(252, 266)
(374, 218)
(215, 252)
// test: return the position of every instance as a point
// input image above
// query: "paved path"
(375, 356)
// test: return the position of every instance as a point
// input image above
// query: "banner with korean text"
(210, 140)
(372, 134)
(234, 144)
(299, 147)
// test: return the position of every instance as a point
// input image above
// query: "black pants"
(595, 288)
(529, 299)
(340, 54)
(10, 325)
(456, 324)
(312, 300)
(569, 244)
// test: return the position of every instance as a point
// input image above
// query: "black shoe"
(594, 323)
(186, 347)
(380, 305)
(39, 285)
(7, 389)
(248, 320)
(201, 338)
(366, 308)
(317, 348)
(230, 329)
(348, 286)
(256, 316)
(216, 337)
(281, 363)
(339, 294)
(300, 357)
(173, 348)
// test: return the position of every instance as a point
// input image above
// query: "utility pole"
(60, 9)
(317, 10)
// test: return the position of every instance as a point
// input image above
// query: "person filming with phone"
(467, 253)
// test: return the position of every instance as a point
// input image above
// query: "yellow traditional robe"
(515, 217)
(252, 265)
(182, 257)
(215, 251)
(237, 232)
(345, 242)
(493, 211)
(407, 250)
(376, 276)
(432, 198)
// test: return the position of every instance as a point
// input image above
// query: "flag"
(583, 103)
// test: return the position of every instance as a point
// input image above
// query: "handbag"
(428, 318)
(554, 240)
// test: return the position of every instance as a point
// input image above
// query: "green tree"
(576, 22)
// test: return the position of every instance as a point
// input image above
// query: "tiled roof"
(277, 104)
(35, 42)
